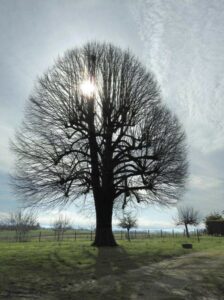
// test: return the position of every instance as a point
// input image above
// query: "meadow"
(151, 268)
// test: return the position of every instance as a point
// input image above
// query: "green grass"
(50, 267)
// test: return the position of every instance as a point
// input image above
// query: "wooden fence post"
(39, 236)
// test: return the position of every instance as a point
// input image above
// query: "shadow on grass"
(84, 273)
(73, 271)
(113, 261)
(103, 280)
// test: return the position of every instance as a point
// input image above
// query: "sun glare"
(87, 88)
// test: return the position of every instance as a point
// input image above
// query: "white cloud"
(6, 159)
(76, 218)
(183, 47)
(205, 182)
(148, 218)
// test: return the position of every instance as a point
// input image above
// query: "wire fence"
(50, 235)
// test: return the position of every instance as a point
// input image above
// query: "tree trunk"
(187, 232)
(104, 235)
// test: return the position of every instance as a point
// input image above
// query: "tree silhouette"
(95, 124)
(60, 225)
(128, 221)
(21, 222)
(187, 216)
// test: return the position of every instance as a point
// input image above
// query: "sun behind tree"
(119, 143)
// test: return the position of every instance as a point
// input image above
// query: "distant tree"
(60, 225)
(215, 216)
(3, 224)
(187, 216)
(22, 222)
(128, 221)
(96, 124)
(214, 223)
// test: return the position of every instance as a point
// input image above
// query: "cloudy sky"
(181, 41)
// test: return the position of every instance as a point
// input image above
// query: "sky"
(180, 41)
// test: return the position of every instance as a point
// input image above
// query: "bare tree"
(3, 222)
(95, 124)
(127, 222)
(22, 222)
(60, 225)
(188, 216)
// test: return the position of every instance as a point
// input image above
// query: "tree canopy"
(115, 141)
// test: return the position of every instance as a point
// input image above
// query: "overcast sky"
(181, 41)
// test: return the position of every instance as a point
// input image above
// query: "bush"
(215, 227)
(215, 224)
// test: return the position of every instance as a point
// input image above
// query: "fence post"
(149, 233)
(75, 235)
(198, 236)
(91, 235)
(39, 236)
(135, 235)
(173, 233)
(161, 233)
(121, 235)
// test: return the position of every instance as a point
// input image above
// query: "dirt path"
(198, 276)
(194, 276)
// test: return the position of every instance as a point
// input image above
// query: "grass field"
(75, 270)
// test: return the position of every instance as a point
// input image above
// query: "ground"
(158, 269)
(185, 277)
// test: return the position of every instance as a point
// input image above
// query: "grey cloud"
(183, 46)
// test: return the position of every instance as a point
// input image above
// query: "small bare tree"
(187, 216)
(60, 225)
(127, 222)
(22, 222)
(3, 222)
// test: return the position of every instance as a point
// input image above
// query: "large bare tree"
(95, 124)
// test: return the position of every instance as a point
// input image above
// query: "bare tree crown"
(188, 215)
(119, 140)
(128, 221)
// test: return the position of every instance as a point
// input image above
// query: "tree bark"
(187, 232)
(104, 234)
